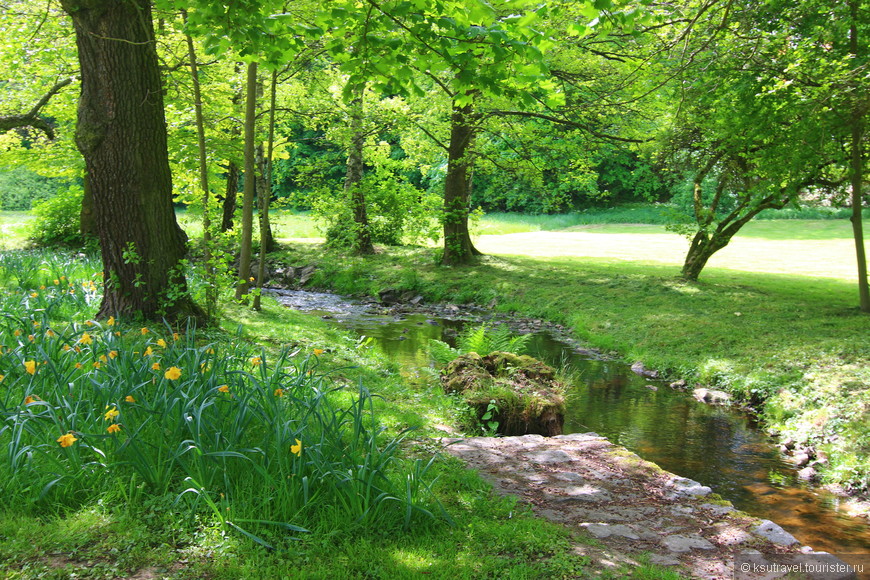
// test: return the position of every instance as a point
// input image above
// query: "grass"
(172, 473)
(794, 346)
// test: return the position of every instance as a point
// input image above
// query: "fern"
(441, 352)
(484, 339)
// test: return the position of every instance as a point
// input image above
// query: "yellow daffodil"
(31, 338)
(172, 373)
(110, 321)
(50, 333)
(209, 350)
(30, 366)
(318, 351)
(175, 336)
(155, 367)
(161, 343)
(148, 352)
(279, 392)
(2, 377)
(111, 414)
(117, 333)
(103, 358)
(224, 389)
(97, 364)
(56, 282)
(89, 322)
(78, 365)
(34, 294)
(66, 347)
(256, 361)
(30, 399)
(77, 348)
(16, 332)
(42, 287)
(296, 449)
(67, 440)
(144, 330)
(129, 399)
(113, 353)
(113, 428)
(36, 324)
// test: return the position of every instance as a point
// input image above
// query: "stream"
(717, 446)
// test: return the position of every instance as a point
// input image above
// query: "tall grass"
(91, 409)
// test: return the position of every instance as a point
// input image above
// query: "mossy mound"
(525, 391)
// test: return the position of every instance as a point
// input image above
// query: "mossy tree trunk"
(458, 248)
(121, 134)
(362, 239)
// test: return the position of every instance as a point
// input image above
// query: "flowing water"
(716, 446)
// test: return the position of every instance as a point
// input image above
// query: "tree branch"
(32, 118)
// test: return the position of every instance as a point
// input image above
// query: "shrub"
(58, 219)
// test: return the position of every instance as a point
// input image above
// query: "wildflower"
(256, 361)
(318, 351)
(144, 330)
(113, 353)
(148, 352)
(30, 366)
(155, 367)
(175, 336)
(30, 399)
(78, 365)
(129, 399)
(172, 373)
(296, 449)
(96, 364)
(251, 279)
(111, 413)
(161, 343)
(67, 440)
(279, 392)
(224, 389)
(110, 321)
(50, 333)
(113, 428)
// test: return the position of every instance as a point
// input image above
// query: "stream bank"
(711, 444)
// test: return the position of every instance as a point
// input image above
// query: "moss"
(523, 390)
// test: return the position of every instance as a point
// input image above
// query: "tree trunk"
(856, 169)
(264, 195)
(362, 240)
(458, 248)
(121, 134)
(229, 200)
(702, 249)
(250, 183)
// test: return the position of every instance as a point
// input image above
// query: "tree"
(745, 136)
(121, 134)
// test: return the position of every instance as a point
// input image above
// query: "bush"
(21, 189)
(58, 219)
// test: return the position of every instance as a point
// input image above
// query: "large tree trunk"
(362, 239)
(458, 248)
(121, 133)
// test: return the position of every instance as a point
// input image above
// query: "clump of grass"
(94, 408)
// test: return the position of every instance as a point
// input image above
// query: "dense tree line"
(387, 118)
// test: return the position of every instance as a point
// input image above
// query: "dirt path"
(632, 506)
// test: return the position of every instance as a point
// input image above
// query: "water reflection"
(713, 445)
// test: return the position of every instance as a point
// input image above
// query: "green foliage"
(485, 339)
(21, 189)
(58, 219)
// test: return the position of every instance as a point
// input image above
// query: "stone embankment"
(631, 506)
